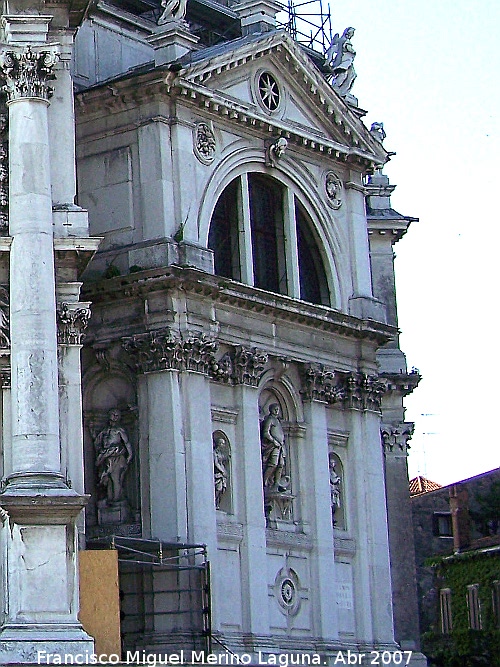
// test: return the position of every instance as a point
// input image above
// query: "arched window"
(262, 235)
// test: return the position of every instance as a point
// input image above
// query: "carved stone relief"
(27, 72)
(241, 365)
(287, 591)
(395, 437)
(353, 390)
(72, 320)
(333, 189)
(204, 143)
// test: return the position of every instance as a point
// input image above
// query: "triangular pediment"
(309, 109)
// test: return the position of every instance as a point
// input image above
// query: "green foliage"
(462, 571)
(135, 268)
(111, 272)
(462, 648)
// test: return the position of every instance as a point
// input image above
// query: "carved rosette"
(395, 437)
(204, 143)
(319, 384)
(72, 322)
(363, 392)
(27, 71)
(4, 169)
(163, 350)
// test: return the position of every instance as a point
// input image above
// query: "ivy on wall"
(464, 647)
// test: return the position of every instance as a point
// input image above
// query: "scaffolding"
(309, 23)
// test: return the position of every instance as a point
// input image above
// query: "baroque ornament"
(204, 143)
(395, 437)
(319, 384)
(362, 391)
(163, 350)
(71, 323)
(333, 189)
(27, 71)
(247, 365)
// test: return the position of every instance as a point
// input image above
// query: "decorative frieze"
(395, 437)
(319, 383)
(163, 350)
(27, 71)
(72, 321)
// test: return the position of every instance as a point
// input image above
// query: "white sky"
(429, 70)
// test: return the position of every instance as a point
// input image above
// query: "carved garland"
(4, 168)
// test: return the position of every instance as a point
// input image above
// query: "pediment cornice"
(354, 138)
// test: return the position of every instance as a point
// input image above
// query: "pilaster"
(316, 471)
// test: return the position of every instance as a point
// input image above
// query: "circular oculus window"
(269, 91)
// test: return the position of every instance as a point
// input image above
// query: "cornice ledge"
(404, 383)
(249, 298)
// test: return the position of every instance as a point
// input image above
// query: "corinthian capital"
(27, 70)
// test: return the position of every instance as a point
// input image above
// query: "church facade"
(226, 263)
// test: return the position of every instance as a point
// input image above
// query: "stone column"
(315, 465)
(39, 540)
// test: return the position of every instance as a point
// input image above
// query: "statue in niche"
(113, 457)
(221, 461)
(4, 318)
(273, 451)
(340, 57)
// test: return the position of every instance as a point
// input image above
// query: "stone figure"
(277, 150)
(377, 131)
(4, 318)
(273, 450)
(340, 57)
(221, 472)
(113, 457)
(173, 10)
(335, 484)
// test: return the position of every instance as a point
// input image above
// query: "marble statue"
(377, 131)
(340, 57)
(277, 150)
(221, 472)
(273, 449)
(113, 457)
(335, 484)
(173, 10)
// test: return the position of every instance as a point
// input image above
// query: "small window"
(442, 526)
(495, 593)
(445, 610)
(474, 607)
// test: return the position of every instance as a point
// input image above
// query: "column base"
(33, 643)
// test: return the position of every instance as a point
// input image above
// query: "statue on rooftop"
(377, 131)
(173, 10)
(340, 57)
